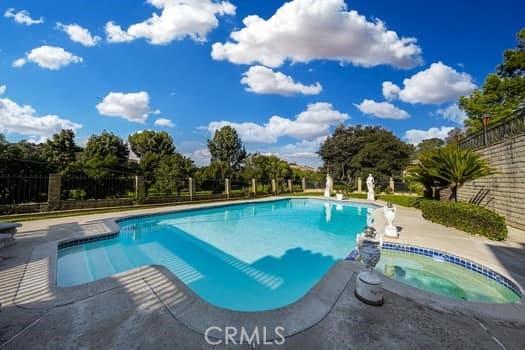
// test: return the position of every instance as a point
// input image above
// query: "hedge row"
(464, 216)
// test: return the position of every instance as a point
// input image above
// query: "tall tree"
(172, 173)
(151, 146)
(227, 150)
(104, 153)
(156, 142)
(502, 92)
(61, 150)
(429, 145)
(356, 151)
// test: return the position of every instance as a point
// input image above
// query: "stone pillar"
(227, 187)
(139, 189)
(391, 184)
(54, 189)
(274, 187)
(359, 185)
(254, 187)
(303, 184)
(290, 187)
(191, 187)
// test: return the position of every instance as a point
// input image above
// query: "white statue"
(390, 214)
(329, 186)
(370, 185)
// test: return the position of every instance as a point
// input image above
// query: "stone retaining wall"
(504, 192)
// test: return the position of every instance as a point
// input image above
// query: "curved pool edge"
(315, 305)
(183, 304)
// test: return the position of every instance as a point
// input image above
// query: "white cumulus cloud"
(133, 106)
(384, 110)
(453, 113)
(306, 30)
(79, 34)
(49, 57)
(164, 122)
(22, 17)
(309, 124)
(437, 84)
(262, 80)
(415, 136)
(390, 90)
(22, 119)
(178, 19)
(3, 88)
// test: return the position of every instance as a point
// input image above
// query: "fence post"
(391, 184)
(274, 187)
(303, 184)
(226, 187)
(53, 191)
(254, 187)
(290, 188)
(359, 185)
(190, 187)
(139, 189)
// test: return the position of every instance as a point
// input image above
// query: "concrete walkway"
(138, 310)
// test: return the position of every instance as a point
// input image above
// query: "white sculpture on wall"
(370, 182)
(390, 214)
(329, 186)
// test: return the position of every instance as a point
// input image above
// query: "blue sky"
(283, 73)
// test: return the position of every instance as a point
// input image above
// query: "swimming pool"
(245, 257)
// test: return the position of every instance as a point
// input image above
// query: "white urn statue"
(390, 214)
(368, 287)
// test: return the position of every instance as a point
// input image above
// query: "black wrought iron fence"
(108, 187)
(263, 186)
(23, 189)
(165, 186)
(495, 133)
(314, 185)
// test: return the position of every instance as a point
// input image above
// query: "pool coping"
(197, 314)
(194, 312)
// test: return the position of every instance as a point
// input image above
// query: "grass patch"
(405, 201)
(356, 195)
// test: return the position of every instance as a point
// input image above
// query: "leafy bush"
(467, 217)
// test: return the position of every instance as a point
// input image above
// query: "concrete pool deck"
(148, 307)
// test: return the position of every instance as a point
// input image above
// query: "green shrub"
(467, 217)
(405, 201)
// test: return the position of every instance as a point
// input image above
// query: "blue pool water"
(245, 257)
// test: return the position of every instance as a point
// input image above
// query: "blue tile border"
(457, 260)
(80, 241)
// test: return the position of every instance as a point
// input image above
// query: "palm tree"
(422, 171)
(457, 166)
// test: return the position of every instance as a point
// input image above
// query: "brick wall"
(504, 192)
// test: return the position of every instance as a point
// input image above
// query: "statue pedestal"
(371, 196)
(327, 193)
(391, 231)
(368, 288)
(339, 196)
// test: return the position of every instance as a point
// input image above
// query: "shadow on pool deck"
(512, 258)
